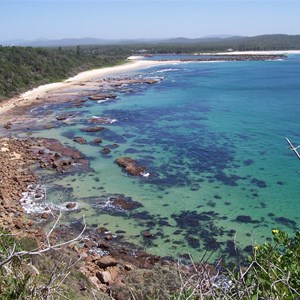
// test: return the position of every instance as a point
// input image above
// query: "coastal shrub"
(50, 275)
(272, 272)
(274, 269)
(158, 283)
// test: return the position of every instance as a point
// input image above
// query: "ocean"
(212, 136)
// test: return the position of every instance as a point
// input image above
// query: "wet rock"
(7, 125)
(124, 203)
(106, 150)
(101, 120)
(93, 129)
(148, 234)
(49, 126)
(65, 116)
(45, 215)
(109, 237)
(97, 141)
(98, 97)
(71, 205)
(79, 140)
(130, 166)
(127, 267)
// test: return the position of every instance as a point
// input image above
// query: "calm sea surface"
(212, 136)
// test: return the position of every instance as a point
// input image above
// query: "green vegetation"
(272, 272)
(51, 275)
(256, 43)
(275, 267)
(22, 68)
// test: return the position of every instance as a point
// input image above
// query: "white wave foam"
(34, 201)
(168, 70)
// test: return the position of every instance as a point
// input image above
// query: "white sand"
(41, 91)
(134, 63)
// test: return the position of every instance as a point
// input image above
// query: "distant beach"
(35, 94)
(134, 63)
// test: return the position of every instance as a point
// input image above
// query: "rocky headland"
(109, 264)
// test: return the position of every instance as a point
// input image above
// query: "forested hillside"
(22, 68)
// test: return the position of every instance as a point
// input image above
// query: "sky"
(149, 19)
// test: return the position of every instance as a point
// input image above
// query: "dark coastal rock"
(150, 81)
(49, 126)
(54, 145)
(98, 97)
(71, 205)
(7, 125)
(97, 141)
(101, 120)
(130, 166)
(66, 116)
(148, 234)
(106, 150)
(79, 140)
(93, 129)
(124, 203)
(45, 215)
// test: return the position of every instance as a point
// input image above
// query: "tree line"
(22, 68)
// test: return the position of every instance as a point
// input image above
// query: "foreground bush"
(272, 273)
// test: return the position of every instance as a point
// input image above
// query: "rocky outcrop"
(130, 166)
(16, 157)
(79, 140)
(93, 129)
(66, 116)
(98, 97)
(106, 150)
(97, 141)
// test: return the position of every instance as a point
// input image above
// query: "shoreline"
(133, 63)
(41, 91)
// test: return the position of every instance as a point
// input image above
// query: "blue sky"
(125, 19)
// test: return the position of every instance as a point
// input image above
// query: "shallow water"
(212, 138)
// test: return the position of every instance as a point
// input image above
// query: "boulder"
(97, 141)
(105, 150)
(98, 97)
(93, 129)
(130, 166)
(104, 277)
(79, 140)
(106, 261)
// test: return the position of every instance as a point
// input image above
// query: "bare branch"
(49, 246)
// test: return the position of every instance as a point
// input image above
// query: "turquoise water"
(212, 136)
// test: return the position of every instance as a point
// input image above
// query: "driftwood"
(294, 149)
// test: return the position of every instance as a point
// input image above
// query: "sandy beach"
(134, 63)
(40, 92)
